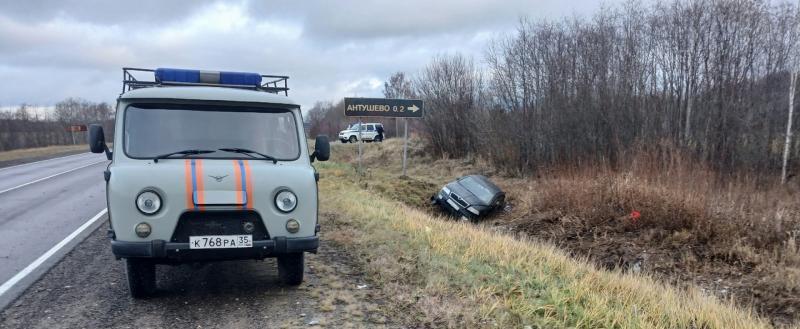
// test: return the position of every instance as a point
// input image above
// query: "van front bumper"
(168, 252)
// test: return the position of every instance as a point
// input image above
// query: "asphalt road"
(41, 204)
(57, 269)
(87, 289)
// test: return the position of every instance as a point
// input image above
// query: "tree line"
(27, 127)
(707, 77)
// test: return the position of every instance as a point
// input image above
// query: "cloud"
(139, 12)
(51, 50)
(354, 19)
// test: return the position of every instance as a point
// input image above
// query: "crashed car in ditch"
(470, 197)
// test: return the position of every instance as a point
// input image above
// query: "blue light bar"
(167, 75)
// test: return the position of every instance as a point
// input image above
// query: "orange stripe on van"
(249, 183)
(187, 173)
(201, 195)
(237, 177)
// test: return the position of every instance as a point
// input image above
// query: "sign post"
(405, 144)
(387, 108)
(76, 128)
(360, 125)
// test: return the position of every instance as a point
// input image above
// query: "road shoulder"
(88, 289)
(25, 156)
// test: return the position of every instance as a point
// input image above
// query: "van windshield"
(152, 130)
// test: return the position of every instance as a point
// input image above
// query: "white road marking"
(45, 160)
(43, 258)
(48, 177)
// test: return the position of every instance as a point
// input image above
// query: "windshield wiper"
(250, 153)
(184, 153)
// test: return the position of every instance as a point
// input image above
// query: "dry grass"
(41, 152)
(731, 238)
(459, 275)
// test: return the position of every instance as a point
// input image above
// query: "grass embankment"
(41, 152)
(459, 275)
(731, 237)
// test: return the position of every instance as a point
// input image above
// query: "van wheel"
(141, 277)
(290, 269)
(353, 139)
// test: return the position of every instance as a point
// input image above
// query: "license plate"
(220, 241)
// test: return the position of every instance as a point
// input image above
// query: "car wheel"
(141, 277)
(290, 269)
(353, 139)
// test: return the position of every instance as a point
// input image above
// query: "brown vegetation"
(39, 153)
(731, 237)
(445, 273)
(647, 138)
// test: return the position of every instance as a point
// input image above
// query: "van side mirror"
(97, 140)
(322, 149)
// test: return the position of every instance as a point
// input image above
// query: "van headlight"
(285, 201)
(148, 202)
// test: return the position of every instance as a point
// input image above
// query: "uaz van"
(209, 166)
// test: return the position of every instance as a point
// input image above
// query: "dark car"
(470, 197)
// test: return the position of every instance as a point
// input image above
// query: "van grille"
(198, 223)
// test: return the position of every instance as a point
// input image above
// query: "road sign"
(383, 107)
(77, 128)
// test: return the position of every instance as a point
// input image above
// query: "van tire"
(141, 277)
(290, 268)
(353, 139)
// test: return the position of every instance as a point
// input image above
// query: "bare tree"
(787, 144)
(398, 86)
(795, 49)
(703, 77)
(451, 87)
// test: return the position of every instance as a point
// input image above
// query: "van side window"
(370, 127)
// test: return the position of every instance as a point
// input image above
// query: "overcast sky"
(53, 49)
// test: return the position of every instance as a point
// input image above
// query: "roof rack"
(163, 77)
